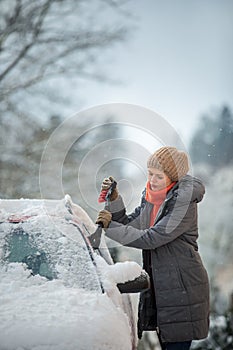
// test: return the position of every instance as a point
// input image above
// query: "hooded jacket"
(177, 305)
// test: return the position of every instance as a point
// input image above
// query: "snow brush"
(105, 194)
(95, 237)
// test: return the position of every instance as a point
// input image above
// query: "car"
(57, 292)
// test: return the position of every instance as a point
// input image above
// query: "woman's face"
(158, 179)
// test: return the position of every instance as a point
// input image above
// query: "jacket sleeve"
(174, 222)
(117, 208)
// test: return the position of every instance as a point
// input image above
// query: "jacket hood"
(190, 189)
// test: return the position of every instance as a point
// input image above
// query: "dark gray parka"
(177, 305)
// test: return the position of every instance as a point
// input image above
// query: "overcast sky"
(178, 62)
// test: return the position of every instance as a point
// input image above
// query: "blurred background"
(61, 62)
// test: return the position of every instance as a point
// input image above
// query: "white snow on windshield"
(51, 289)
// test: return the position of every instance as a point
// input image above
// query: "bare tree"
(44, 45)
(40, 40)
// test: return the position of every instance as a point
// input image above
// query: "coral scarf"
(156, 198)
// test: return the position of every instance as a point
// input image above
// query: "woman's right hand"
(105, 186)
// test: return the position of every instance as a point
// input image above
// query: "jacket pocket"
(168, 278)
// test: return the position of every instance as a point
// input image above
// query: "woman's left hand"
(104, 218)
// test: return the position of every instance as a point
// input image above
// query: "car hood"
(41, 314)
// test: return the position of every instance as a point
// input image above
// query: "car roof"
(13, 206)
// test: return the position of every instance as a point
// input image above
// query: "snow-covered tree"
(211, 154)
(212, 142)
(216, 218)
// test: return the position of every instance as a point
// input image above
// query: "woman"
(164, 226)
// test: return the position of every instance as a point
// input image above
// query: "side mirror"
(128, 276)
(137, 285)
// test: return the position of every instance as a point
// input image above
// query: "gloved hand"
(107, 182)
(104, 218)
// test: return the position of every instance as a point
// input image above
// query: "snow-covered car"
(56, 292)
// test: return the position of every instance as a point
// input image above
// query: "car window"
(53, 249)
(20, 248)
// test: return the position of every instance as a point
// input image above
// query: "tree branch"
(35, 34)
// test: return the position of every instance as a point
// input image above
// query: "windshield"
(54, 249)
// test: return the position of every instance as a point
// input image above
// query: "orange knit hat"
(171, 161)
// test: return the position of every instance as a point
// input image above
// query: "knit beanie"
(171, 161)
